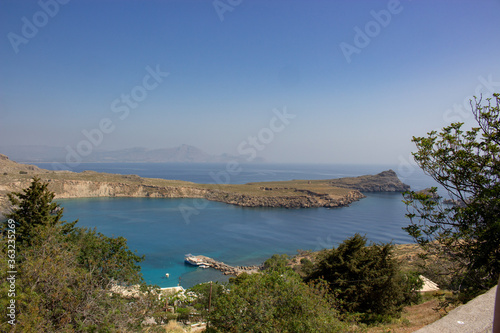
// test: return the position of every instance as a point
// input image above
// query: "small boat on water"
(192, 260)
(195, 261)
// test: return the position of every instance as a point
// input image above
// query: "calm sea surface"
(166, 229)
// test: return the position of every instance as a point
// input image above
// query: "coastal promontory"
(287, 194)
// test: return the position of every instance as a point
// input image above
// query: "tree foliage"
(107, 257)
(465, 163)
(273, 301)
(65, 273)
(366, 279)
(33, 208)
(205, 293)
(277, 263)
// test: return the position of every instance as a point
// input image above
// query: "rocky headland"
(288, 194)
(386, 181)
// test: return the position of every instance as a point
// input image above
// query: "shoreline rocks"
(329, 193)
(227, 269)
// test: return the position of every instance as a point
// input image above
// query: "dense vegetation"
(366, 280)
(273, 302)
(64, 273)
(466, 165)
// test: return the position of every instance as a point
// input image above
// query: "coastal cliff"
(386, 181)
(286, 194)
(246, 197)
(300, 200)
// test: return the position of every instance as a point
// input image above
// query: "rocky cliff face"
(386, 181)
(301, 201)
(89, 189)
(288, 194)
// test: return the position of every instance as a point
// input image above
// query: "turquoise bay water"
(236, 235)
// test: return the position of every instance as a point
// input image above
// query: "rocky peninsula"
(288, 194)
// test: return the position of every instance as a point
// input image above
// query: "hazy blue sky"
(360, 77)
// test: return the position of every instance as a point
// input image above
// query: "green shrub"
(366, 279)
(183, 314)
(307, 266)
(273, 302)
(278, 262)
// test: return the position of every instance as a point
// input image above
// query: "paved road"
(473, 317)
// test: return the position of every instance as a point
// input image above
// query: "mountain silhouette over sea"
(181, 154)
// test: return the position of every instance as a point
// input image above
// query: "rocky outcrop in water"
(225, 268)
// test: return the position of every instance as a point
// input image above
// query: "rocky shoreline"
(285, 194)
(225, 268)
(303, 201)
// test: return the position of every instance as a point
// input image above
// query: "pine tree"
(33, 209)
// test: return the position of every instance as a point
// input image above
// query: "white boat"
(196, 261)
(192, 260)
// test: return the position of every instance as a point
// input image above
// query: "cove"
(233, 234)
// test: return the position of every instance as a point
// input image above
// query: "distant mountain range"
(181, 154)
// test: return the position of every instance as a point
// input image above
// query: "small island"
(285, 194)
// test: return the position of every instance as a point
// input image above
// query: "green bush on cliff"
(273, 301)
(277, 263)
(366, 279)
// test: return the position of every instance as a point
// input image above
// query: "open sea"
(164, 230)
